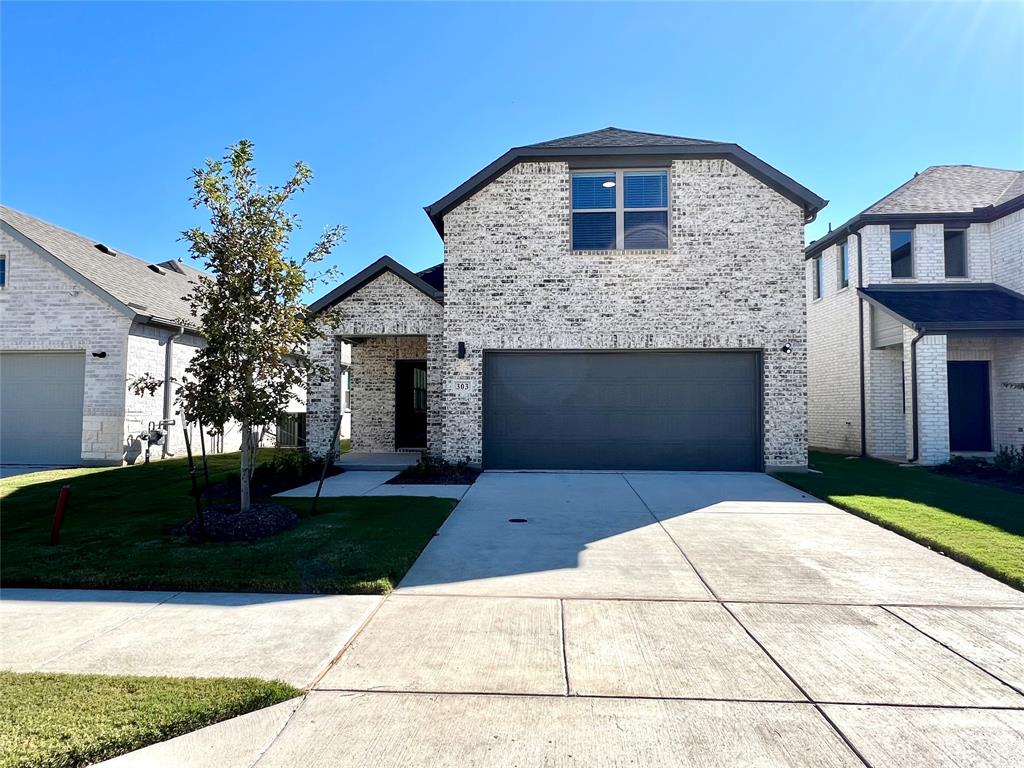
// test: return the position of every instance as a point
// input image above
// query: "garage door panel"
(41, 404)
(622, 410)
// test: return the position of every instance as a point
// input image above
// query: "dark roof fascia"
(381, 265)
(994, 326)
(908, 220)
(799, 194)
(74, 274)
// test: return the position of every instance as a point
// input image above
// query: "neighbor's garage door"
(622, 410)
(41, 407)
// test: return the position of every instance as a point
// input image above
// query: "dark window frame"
(620, 209)
(962, 234)
(892, 253)
(3, 270)
(843, 264)
(819, 277)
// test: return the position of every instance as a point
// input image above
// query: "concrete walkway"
(373, 483)
(663, 619)
(292, 638)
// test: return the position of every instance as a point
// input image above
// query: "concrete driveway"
(670, 619)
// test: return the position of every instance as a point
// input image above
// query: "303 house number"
(462, 386)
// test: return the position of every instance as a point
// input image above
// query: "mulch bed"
(983, 478)
(448, 476)
(228, 524)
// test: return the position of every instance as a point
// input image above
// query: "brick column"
(933, 396)
(323, 395)
(435, 391)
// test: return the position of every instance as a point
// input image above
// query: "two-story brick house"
(614, 299)
(916, 320)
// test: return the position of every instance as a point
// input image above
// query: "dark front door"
(411, 404)
(970, 418)
(622, 410)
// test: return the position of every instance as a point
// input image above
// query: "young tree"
(250, 310)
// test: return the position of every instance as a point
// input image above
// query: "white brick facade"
(730, 279)
(995, 253)
(44, 310)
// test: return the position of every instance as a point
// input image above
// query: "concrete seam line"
(636, 697)
(799, 687)
(348, 643)
(565, 655)
(279, 731)
(672, 539)
(106, 632)
(954, 651)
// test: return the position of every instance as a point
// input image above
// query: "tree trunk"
(246, 473)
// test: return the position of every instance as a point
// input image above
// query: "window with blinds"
(619, 210)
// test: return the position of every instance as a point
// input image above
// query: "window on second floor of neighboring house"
(3, 270)
(819, 276)
(901, 252)
(956, 252)
(844, 265)
(619, 210)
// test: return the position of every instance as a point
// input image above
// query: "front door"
(411, 404)
(970, 417)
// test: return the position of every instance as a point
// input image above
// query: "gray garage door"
(41, 407)
(622, 410)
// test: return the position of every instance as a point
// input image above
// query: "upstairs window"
(956, 253)
(3, 270)
(619, 210)
(844, 264)
(901, 252)
(819, 276)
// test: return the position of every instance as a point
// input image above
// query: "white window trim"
(620, 210)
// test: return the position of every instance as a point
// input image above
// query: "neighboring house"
(611, 300)
(78, 321)
(916, 320)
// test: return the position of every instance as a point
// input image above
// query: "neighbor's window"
(819, 276)
(844, 265)
(3, 270)
(619, 210)
(901, 252)
(956, 253)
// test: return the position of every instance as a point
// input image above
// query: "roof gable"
(381, 265)
(125, 281)
(616, 142)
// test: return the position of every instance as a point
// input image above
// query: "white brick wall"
(1008, 404)
(731, 279)
(43, 309)
(373, 395)
(387, 306)
(833, 363)
(1007, 245)
(933, 395)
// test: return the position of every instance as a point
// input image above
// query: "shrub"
(1010, 462)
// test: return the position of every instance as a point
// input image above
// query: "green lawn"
(117, 534)
(63, 721)
(981, 526)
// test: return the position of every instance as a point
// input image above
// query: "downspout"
(168, 395)
(913, 390)
(860, 350)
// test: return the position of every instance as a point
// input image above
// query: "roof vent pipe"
(105, 249)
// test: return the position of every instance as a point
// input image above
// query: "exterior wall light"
(786, 349)
(462, 350)
(99, 354)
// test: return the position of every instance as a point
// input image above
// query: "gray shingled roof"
(129, 280)
(952, 189)
(618, 137)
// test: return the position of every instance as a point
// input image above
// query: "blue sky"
(107, 107)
